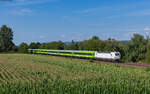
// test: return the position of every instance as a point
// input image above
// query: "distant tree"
(72, 46)
(43, 46)
(34, 45)
(38, 44)
(14, 48)
(94, 44)
(23, 48)
(53, 45)
(136, 48)
(60, 45)
(111, 45)
(95, 38)
(6, 37)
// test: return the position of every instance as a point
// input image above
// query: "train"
(106, 56)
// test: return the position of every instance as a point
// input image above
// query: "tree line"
(137, 49)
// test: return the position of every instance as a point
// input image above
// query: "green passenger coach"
(71, 53)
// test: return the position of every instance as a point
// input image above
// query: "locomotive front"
(111, 56)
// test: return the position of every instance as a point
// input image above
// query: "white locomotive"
(112, 56)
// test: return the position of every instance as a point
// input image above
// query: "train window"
(66, 52)
(52, 51)
(49, 51)
(57, 52)
(117, 54)
(84, 53)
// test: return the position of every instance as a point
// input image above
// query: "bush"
(23, 48)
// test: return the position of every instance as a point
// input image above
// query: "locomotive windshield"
(117, 54)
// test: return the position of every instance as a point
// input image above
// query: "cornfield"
(37, 74)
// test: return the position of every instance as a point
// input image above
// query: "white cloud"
(139, 13)
(132, 14)
(86, 11)
(43, 37)
(147, 28)
(22, 12)
(130, 34)
(65, 17)
(94, 10)
(28, 2)
(62, 36)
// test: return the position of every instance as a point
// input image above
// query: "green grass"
(41, 74)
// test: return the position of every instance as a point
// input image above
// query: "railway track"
(124, 63)
(135, 64)
(115, 62)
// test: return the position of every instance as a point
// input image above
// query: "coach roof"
(64, 50)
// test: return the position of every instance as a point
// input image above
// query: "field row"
(32, 74)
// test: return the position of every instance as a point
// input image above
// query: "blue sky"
(66, 20)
